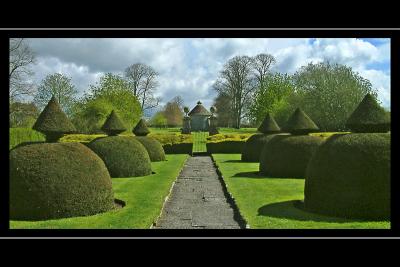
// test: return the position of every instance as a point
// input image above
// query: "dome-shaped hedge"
(288, 155)
(57, 180)
(124, 156)
(349, 176)
(153, 147)
(253, 147)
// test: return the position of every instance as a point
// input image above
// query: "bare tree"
(57, 85)
(21, 58)
(143, 80)
(261, 66)
(237, 82)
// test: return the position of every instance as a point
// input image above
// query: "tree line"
(130, 94)
(247, 89)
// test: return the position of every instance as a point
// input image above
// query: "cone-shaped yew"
(141, 128)
(113, 125)
(300, 123)
(53, 122)
(369, 117)
(269, 125)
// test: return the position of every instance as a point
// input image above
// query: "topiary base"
(287, 156)
(57, 180)
(349, 176)
(253, 147)
(153, 147)
(124, 156)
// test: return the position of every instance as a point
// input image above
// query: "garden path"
(198, 200)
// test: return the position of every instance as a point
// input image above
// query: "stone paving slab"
(197, 200)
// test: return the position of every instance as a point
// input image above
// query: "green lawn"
(144, 197)
(199, 141)
(268, 202)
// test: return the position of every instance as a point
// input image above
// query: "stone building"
(199, 118)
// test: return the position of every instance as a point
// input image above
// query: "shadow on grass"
(294, 210)
(257, 175)
(234, 161)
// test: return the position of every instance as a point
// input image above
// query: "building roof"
(199, 109)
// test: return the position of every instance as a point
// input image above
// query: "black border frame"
(201, 33)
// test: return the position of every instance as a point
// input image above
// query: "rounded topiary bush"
(124, 156)
(253, 147)
(57, 180)
(153, 147)
(349, 176)
(288, 155)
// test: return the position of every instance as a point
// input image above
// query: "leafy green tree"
(329, 93)
(173, 113)
(272, 97)
(112, 92)
(159, 120)
(59, 86)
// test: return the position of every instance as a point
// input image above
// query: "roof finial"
(199, 102)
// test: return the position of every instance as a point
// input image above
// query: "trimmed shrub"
(173, 138)
(21, 135)
(153, 147)
(124, 156)
(349, 176)
(56, 180)
(229, 147)
(53, 122)
(228, 137)
(113, 125)
(369, 117)
(141, 129)
(299, 123)
(269, 125)
(253, 147)
(288, 155)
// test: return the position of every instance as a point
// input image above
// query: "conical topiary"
(369, 117)
(53, 122)
(300, 124)
(113, 125)
(141, 128)
(269, 125)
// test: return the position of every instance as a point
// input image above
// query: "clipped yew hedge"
(124, 156)
(288, 155)
(57, 180)
(228, 147)
(153, 147)
(349, 176)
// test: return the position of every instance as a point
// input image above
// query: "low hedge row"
(182, 148)
(228, 137)
(172, 138)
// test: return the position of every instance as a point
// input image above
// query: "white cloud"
(189, 67)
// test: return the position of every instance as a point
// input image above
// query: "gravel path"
(197, 200)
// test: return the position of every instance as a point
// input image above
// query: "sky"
(188, 67)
